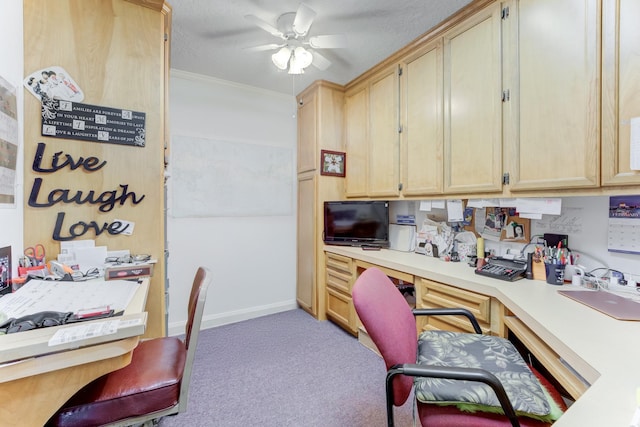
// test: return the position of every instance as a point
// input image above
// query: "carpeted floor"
(285, 369)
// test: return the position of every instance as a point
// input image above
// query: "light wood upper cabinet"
(473, 105)
(372, 138)
(620, 90)
(307, 134)
(552, 69)
(384, 137)
(356, 120)
(540, 92)
(422, 121)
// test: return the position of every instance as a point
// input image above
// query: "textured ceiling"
(210, 37)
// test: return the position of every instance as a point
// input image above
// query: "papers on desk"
(83, 254)
(47, 295)
(85, 331)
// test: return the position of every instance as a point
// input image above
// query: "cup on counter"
(578, 274)
(555, 273)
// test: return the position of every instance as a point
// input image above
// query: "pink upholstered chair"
(153, 385)
(449, 371)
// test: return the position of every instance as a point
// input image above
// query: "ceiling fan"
(294, 50)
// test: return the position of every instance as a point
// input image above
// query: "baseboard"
(219, 319)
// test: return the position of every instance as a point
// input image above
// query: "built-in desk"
(600, 349)
(34, 387)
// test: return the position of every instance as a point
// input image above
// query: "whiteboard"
(212, 178)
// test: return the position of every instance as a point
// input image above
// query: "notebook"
(611, 304)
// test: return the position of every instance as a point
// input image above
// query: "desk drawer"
(393, 274)
(339, 263)
(438, 295)
(572, 382)
(340, 309)
(339, 280)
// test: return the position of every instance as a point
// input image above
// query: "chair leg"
(391, 373)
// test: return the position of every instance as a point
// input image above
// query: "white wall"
(252, 257)
(11, 69)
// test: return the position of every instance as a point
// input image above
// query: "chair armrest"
(449, 312)
(455, 373)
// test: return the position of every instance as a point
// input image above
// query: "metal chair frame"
(469, 374)
(197, 300)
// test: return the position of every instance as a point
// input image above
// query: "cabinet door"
(555, 94)
(422, 122)
(306, 261)
(356, 125)
(307, 132)
(621, 87)
(384, 138)
(473, 105)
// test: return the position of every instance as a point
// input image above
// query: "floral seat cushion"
(494, 354)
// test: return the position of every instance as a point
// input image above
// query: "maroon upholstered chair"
(153, 385)
(423, 365)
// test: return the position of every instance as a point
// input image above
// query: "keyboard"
(503, 269)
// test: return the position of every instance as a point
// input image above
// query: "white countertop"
(603, 350)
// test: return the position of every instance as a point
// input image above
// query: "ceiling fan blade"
(270, 46)
(320, 62)
(328, 42)
(303, 20)
(264, 25)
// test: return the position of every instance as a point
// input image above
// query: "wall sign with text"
(105, 201)
(73, 120)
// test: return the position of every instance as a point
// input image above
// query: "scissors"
(35, 255)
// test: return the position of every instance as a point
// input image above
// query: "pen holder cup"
(555, 273)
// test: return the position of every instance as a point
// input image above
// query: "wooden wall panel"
(115, 51)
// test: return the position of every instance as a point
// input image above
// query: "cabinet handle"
(505, 12)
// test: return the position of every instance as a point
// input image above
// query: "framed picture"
(332, 163)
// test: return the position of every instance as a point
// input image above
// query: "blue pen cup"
(555, 273)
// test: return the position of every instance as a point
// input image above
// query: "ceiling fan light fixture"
(281, 58)
(302, 57)
(300, 60)
(294, 69)
(293, 28)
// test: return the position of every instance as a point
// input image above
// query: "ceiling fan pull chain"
(293, 93)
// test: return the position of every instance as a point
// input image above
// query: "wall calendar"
(624, 224)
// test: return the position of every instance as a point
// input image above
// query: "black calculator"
(503, 269)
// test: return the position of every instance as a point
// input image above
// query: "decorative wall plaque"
(73, 120)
